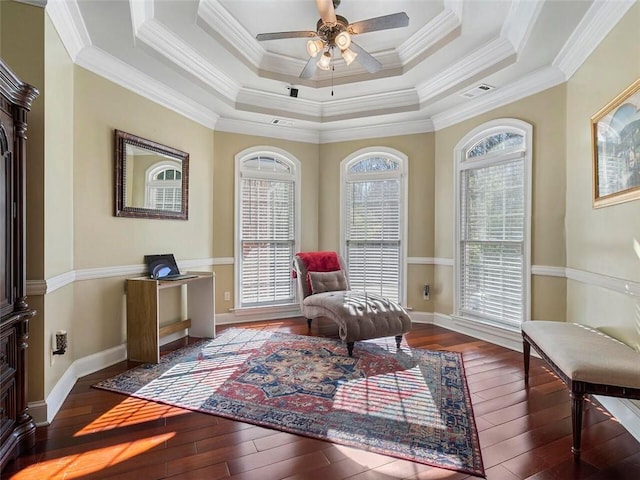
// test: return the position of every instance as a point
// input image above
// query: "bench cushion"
(585, 354)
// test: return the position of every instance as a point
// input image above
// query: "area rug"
(412, 404)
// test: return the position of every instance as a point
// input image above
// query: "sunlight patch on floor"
(130, 411)
(82, 464)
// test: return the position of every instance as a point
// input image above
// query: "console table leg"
(526, 350)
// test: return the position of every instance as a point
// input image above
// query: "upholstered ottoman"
(359, 315)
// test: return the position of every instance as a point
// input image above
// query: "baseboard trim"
(44, 411)
(511, 339)
(38, 411)
(627, 413)
(421, 317)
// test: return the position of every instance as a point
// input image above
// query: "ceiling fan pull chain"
(333, 67)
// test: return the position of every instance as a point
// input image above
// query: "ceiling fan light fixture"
(343, 40)
(325, 61)
(314, 47)
(349, 55)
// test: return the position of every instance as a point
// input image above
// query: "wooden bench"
(588, 361)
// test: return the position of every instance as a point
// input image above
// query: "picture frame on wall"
(615, 137)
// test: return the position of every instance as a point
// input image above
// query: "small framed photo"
(615, 134)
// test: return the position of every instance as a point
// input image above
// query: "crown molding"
(377, 131)
(103, 64)
(277, 66)
(325, 136)
(601, 17)
(297, 108)
(384, 101)
(65, 16)
(244, 127)
(163, 41)
(212, 17)
(533, 83)
(478, 61)
(268, 102)
(520, 20)
(433, 32)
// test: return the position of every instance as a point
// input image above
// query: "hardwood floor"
(523, 434)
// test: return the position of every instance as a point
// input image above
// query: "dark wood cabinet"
(17, 429)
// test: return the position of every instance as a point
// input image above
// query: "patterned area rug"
(412, 404)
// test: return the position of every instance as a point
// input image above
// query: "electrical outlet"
(227, 296)
(425, 292)
(53, 347)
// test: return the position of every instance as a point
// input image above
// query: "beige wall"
(58, 308)
(102, 240)
(546, 112)
(601, 240)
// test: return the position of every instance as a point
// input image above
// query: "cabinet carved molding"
(17, 428)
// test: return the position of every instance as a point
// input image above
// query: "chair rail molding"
(51, 284)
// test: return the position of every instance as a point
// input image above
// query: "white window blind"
(493, 212)
(164, 188)
(267, 238)
(373, 219)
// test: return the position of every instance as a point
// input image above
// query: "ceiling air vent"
(477, 90)
(281, 122)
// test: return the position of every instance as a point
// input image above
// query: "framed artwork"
(615, 134)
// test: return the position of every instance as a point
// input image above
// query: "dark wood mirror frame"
(123, 200)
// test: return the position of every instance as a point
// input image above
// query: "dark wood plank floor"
(523, 434)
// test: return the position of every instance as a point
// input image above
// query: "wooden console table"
(143, 315)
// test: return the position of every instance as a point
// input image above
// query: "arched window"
(163, 186)
(373, 220)
(267, 226)
(493, 204)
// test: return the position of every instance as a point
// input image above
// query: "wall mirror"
(151, 179)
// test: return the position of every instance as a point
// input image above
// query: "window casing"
(493, 210)
(373, 221)
(267, 220)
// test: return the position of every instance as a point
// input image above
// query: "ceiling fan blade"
(278, 35)
(309, 69)
(366, 59)
(326, 11)
(386, 22)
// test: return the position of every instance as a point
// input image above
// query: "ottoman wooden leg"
(398, 340)
(350, 348)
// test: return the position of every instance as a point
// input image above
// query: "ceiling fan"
(335, 32)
